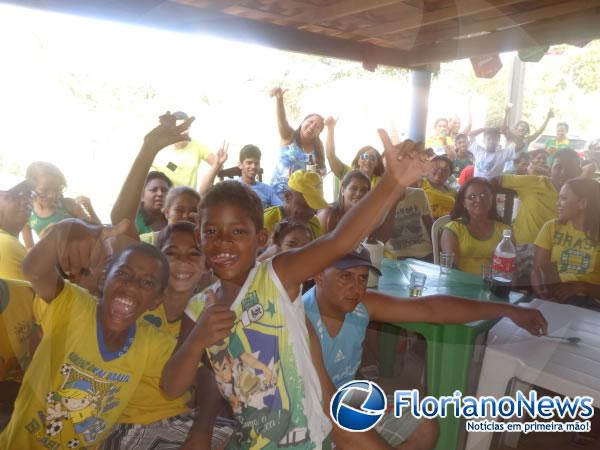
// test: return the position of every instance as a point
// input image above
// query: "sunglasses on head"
(367, 157)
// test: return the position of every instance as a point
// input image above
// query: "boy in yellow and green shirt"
(252, 326)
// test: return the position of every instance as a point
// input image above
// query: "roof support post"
(420, 82)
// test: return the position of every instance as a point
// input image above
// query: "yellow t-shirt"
(181, 166)
(12, 254)
(148, 404)
(263, 368)
(274, 215)
(374, 179)
(435, 142)
(440, 202)
(16, 325)
(538, 198)
(472, 251)
(74, 390)
(576, 257)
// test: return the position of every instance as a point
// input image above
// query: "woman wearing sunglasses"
(367, 159)
(475, 229)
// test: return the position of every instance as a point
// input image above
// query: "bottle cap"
(507, 233)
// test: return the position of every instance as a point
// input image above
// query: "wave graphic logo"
(358, 405)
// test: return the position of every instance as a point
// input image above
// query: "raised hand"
(406, 161)
(550, 113)
(84, 202)
(222, 154)
(81, 246)
(215, 322)
(531, 320)
(167, 133)
(330, 122)
(277, 92)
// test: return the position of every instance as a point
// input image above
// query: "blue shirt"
(291, 158)
(342, 354)
(265, 193)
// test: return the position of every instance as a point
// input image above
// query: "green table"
(449, 347)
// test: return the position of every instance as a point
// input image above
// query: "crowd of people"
(226, 314)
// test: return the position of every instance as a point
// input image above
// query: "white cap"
(507, 233)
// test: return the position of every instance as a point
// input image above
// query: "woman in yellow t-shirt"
(567, 249)
(441, 197)
(475, 229)
(367, 159)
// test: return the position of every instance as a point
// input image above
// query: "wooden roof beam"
(574, 27)
(463, 8)
(543, 13)
(341, 9)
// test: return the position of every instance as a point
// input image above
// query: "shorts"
(165, 434)
(396, 430)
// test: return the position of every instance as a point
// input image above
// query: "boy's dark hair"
(250, 151)
(492, 131)
(149, 250)
(589, 190)
(220, 356)
(521, 157)
(156, 175)
(178, 227)
(461, 136)
(438, 120)
(459, 212)
(564, 124)
(286, 226)
(236, 193)
(379, 168)
(176, 192)
(447, 160)
(39, 168)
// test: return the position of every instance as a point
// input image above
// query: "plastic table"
(449, 347)
(513, 354)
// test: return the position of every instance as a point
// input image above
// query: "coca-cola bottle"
(503, 266)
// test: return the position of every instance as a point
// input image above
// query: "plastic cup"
(446, 262)
(486, 273)
(417, 283)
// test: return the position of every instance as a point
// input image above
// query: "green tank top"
(39, 224)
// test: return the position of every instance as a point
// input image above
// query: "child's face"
(186, 264)
(354, 191)
(230, 241)
(462, 145)
(132, 286)
(15, 209)
(439, 173)
(183, 209)
(48, 191)
(343, 289)
(154, 194)
(295, 239)
(491, 142)
(561, 131)
(539, 159)
(75, 404)
(521, 166)
(223, 370)
(250, 168)
(297, 208)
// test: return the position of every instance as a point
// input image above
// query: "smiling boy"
(255, 310)
(249, 165)
(93, 353)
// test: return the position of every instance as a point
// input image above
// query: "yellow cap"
(310, 185)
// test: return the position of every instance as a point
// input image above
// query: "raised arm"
(27, 234)
(286, 132)
(86, 204)
(476, 132)
(406, 163)
(469, 125)
(165, 134)
(337, 166)
(447, 309)
(506, 125)
(73, 245)
(209, 178)
(541, 129)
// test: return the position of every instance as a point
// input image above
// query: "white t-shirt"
(410, 237)
(490, 164)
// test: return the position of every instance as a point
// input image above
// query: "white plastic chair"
(436, 228)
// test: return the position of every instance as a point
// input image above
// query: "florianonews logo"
(358, 405)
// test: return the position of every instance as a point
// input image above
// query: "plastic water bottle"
(503, 266)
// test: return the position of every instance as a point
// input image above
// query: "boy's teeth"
(124, 305)
(182, 276)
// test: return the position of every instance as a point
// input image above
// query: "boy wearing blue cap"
(339, 308)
